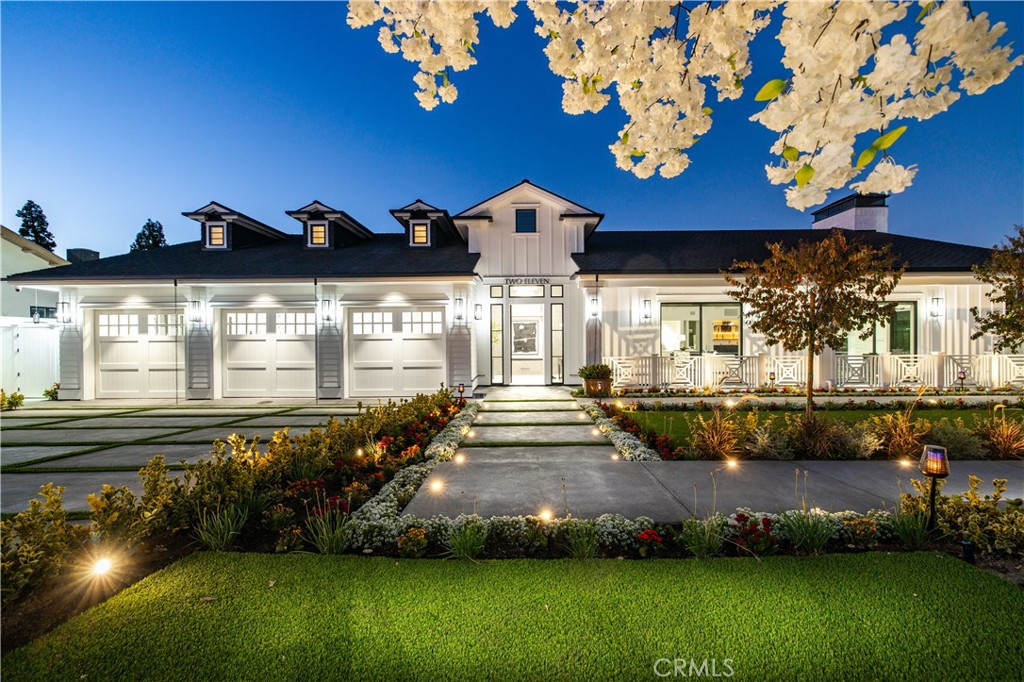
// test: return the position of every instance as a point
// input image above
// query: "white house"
(521, 288)
(28, 319)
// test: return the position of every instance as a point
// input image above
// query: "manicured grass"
(677, 424)
(864, 616)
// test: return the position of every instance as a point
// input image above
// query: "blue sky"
(113, 113)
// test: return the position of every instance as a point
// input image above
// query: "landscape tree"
(851, 72)
(813, 295)
(151, 236)
(34, 225)
(1005, 272)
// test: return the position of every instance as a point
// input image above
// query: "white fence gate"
(29, 357)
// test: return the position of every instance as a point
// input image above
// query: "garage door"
(396, 352)
(138, 354)
(269, 353)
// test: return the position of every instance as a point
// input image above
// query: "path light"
(615, 456)
(460, 458)
(596, 432)
(545, 514)
(935, 465)
(906, 463)
(359, 452)
(470, 433)
(437, 485)
(961, 376)
(462, 389)
(101, 567)
(730, 403)
(731, 463)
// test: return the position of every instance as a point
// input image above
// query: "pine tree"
(34, 225)
(151, 236)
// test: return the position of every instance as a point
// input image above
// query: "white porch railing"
(846, 371)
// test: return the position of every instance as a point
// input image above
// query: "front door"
(528, 344)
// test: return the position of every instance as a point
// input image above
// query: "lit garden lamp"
(771, 379)
(462, 389)
(961, 376)
(934, 465)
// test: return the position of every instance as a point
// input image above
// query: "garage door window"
(118, 325)
(246, 324)
(368, 324)
(296, 324)
(163, 324)
(428, 322)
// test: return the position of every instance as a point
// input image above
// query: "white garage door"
(269, 353)
(138, 354)
(396, 352)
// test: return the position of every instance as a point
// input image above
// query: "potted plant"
(597, 380)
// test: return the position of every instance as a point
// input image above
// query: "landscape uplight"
(460, 458)
(731, 463)
(101, 567)
(437, 485)
(545, 514)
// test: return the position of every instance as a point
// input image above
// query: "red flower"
(649, 535)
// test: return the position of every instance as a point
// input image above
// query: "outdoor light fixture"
(961, 376)
(35, 318)
(326, 307)
(101, 567)
(478, 312)
(771, 379)
(470, 433)
(437, 485)
(545, 515)
(646, 308)
(462, 389)
(593, 306)
(65, 312)
(938, 305)
(460, 309)
(731, 463)
(460, 458)
(195, 311)
(935, 465)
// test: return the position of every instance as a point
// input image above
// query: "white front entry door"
(395, 351)
(139, 354)
(269, 353)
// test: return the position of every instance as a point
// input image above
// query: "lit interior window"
(215, 235)
(318, 235)
(420, 234)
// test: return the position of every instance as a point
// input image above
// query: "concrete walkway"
(528, 453)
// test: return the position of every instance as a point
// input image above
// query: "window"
(318, 234)
(216, 235)
(497, 291)
(497, 345)
(557, 343)
(365, 324)
(701, 328)
(425, 322)
(164, 324)
(419, 234)
(557, 291)
(295, 324)
(45, 312)
(899, 336)
(526, 291)
(118, 324)
(526, 220)
(246, 324)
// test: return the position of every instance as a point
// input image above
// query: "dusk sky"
(113, 113)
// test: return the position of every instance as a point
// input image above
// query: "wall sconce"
(460, 309)
(326, 309)
(65, 312)
(478, 312)
(196, 312)
(35, 317)
(593, 307)
(938, 307)
(646, 311)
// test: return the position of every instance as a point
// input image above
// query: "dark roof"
(386, 255)
(706, 251)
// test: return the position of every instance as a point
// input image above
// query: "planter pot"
(598, 388)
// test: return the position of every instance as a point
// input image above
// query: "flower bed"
(795, 391)
(624, 435)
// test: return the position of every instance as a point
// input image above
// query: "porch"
(832, 370)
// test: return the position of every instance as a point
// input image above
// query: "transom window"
(118, 324)
(295, 324)
(365, 324)
(422, 322)
(526, 291)
(420, 234)
(526, 220)
(318, 234)
(246, 324)
(215, 235)
(164, 324)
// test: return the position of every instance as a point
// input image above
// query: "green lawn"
(677, 424)
(859, 616)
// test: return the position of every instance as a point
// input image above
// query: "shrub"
(617, 534)
(901, 435)
(808, 530)
(413, 543)
(861, 532)
(12, 401)
(650, 542)
(754, 533)
(468, 538)
(702, 538)
(911, 527)
(824, 438)
(120, 517)
(960, 441)
(580, 538)
(717, 437)
(52, 393)
(595, 373)
(217, 528)
(765, 441)
(37, 543)
(327, 526)
(516, 536)
(1003, 437)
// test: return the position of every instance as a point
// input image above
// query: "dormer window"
(318, 234)
(216, 236)
(526, 220)
(419, 234)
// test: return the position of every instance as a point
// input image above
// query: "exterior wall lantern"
(593, 307)
(935, 465)
(645, 310)
(478, 312)
(460, 309)
(66, 316)
(938, 307)
(326, 310)
(196, 312)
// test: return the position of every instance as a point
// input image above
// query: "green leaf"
(790, 154)
(804, 175)
(637, 152)
(924, 11)
(708, 111)
(860, 80)
(887, 140)
(552, 35)
(624, 139)
(770, 90)
(866, 157)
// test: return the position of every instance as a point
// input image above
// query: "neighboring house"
(521, 288)
(28, 319)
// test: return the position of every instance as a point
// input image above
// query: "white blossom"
(887, 176)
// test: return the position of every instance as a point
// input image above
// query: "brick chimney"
(855, 212)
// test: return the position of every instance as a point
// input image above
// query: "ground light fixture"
(460, 458)
(731, 463)
(545, 514)
(102, 566)
(961, 377)
(935, 465)
(437, 485)
(462, 389)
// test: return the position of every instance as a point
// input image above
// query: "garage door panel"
(295, 351)
(115, 383)
(267, 360)
(135, 356)
(408, 359)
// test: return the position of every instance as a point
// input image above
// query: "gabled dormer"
(425, 225)
(224, 229)
(324, 227)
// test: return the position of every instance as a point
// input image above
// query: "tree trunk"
(809, 412)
